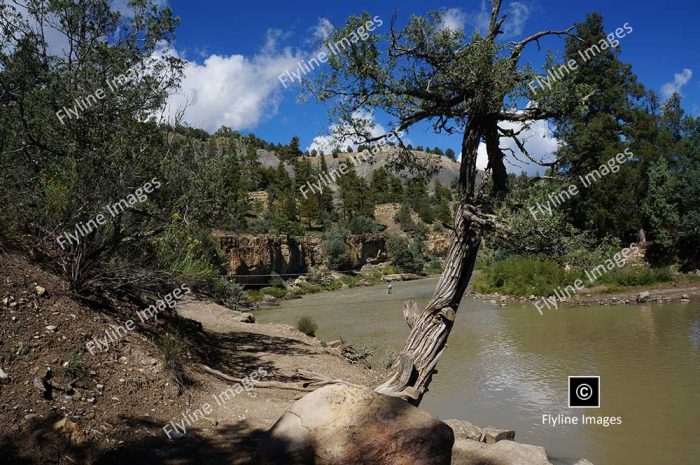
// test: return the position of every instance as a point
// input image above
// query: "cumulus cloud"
(454, 19)
(336, 138)
(518, 13)
(539, 141)
(231, 90)
(679, 81)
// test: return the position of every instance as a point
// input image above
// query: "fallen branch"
(314, 382)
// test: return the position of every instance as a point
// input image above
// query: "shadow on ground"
(228, 445)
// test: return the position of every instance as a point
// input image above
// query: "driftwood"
(313, 380)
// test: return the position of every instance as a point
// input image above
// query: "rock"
(491, 435)
(51, 328)
(464, 430)
(468, 452)
(71, 430)
(685, 298)
(246, 318)
(40, 291)
(583, 462)
(337, 425)
(31, 416)
(345, 286)
(3, 375)
(643, 296)
(532, 297)
(336, 343)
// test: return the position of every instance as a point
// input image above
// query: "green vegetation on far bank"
(524, 276)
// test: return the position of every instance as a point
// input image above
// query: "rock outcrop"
(349, 425)
(264, 254)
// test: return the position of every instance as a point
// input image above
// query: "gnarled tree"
(427, 72)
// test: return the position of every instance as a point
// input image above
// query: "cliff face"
(263, 254)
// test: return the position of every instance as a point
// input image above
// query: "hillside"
(63, 405)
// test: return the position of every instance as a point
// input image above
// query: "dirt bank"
(117, 402)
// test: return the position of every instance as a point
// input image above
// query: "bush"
(274, 291)
(637, 276)
(74, 368)
(194, 256)
(405, 255)
(336, 250)
(362, 225)
(173, 349)
(523, 276)
(231, 294)
(307, 325)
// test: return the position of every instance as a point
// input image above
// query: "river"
(507, 366)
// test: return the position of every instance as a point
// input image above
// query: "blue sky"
(236, 51)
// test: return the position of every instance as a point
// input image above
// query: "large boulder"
(349, 425)
(468, 452)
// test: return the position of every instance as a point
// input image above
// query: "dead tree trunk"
(412, 371)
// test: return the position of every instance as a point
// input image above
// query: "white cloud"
(323, 29)
(518, 14)
(454, 19)
(232, 90)
(236, 90)
(334, 139)
(679, 81)
(539, 141)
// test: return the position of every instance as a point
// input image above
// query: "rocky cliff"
(264, 254)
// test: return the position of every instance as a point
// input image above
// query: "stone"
(3, 375)
(491, 435)
(583, 462)
(685, 298)
(339, 424)
(51, 328)
(40, 291)
(464, 430)
(71, 430)
(643, 296)
(468, 452)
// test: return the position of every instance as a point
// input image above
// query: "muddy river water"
(508, 366)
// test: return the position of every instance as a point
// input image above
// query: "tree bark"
(413, 369)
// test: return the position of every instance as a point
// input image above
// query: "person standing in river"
(388, 288)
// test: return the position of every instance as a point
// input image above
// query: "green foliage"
(194, 256)
(522, 276)
(362, 225)
(637, 276)
(336, 250)
(231, 294)
(174, 349)
(404, 254)
(277, 292)
(75, 367)
(307, 325)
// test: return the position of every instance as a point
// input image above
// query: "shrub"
(362, 225)
(307, 325)
(336, 250)
(173, 349)
(637, 276)
(405, 255)
(523, 276)
(274, 291)
(74, 368)
(194, 256)
(231, 294)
